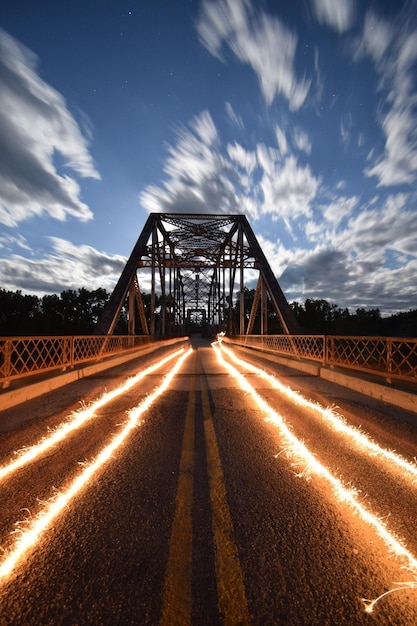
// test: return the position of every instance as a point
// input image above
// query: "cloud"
(319, 273)
(325, 269)
(360, 258)
(376, 38)
(204, 177)
(353, 255)
(338, 14)
(244, 159)
(200, 177)
(281, 140)
(35, 127)
(342, 278)
(398, 165)
(339, 209)
(391, 226)
(302, 141)
(288, 189)
(337, 246)
(9, 241)
(66, 266)
(258, 40)
(346, 127)
(236, 119)
(393, 49)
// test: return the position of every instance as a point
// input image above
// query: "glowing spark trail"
(332, 418)
(300, 452)
(30, 537)
(78, 419)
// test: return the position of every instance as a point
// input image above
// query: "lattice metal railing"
(25, 356)
(390, 358)
(301, 346)
(387, 357)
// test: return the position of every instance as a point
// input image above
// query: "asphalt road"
(206, 510)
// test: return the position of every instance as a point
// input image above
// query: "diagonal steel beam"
(283, 309)
(110, 314)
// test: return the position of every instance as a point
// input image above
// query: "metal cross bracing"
(196, 268)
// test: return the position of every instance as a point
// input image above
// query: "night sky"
(301, 114)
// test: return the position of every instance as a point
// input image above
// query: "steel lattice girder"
(197, 258)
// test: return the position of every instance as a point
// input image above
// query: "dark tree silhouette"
(76, 312)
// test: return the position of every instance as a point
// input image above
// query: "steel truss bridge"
(198, 264)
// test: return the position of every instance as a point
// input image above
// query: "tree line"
(318, 316)
(321, 317)
(75, 312)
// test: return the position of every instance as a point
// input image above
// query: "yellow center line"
(177, 600)
(233, 604)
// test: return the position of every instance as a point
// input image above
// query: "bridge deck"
(189, 504)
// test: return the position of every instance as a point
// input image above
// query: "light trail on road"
(30, 537)
(301, 454)
(78, 419)
(336, 421)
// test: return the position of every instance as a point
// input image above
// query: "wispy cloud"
(244, 159)
(199, 175)
(393, 49)
(302, 141)
(257, 39)
(35, 125)
(340, 208)
(338, 14)
(289, 190)
(236, 119)
(376, 38)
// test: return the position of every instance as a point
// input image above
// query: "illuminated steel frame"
(198, 265)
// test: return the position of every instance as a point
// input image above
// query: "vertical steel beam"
(162, 275)
(255, 306)
(141, 309)
(264, 308)
(230, 297)
(153, 270)
(131, 310)
(241, 283)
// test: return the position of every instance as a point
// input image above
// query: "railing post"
(7, 363)
(389, 360)
(72, 351)
(328, 350)
(64, 355)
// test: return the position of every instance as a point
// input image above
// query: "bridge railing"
(388, 357)
(26, 356)
(391, 358)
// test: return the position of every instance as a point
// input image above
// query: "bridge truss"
(198, 266)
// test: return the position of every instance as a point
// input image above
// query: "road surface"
(209, 504)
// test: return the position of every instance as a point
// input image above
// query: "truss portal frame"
(198, 265)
